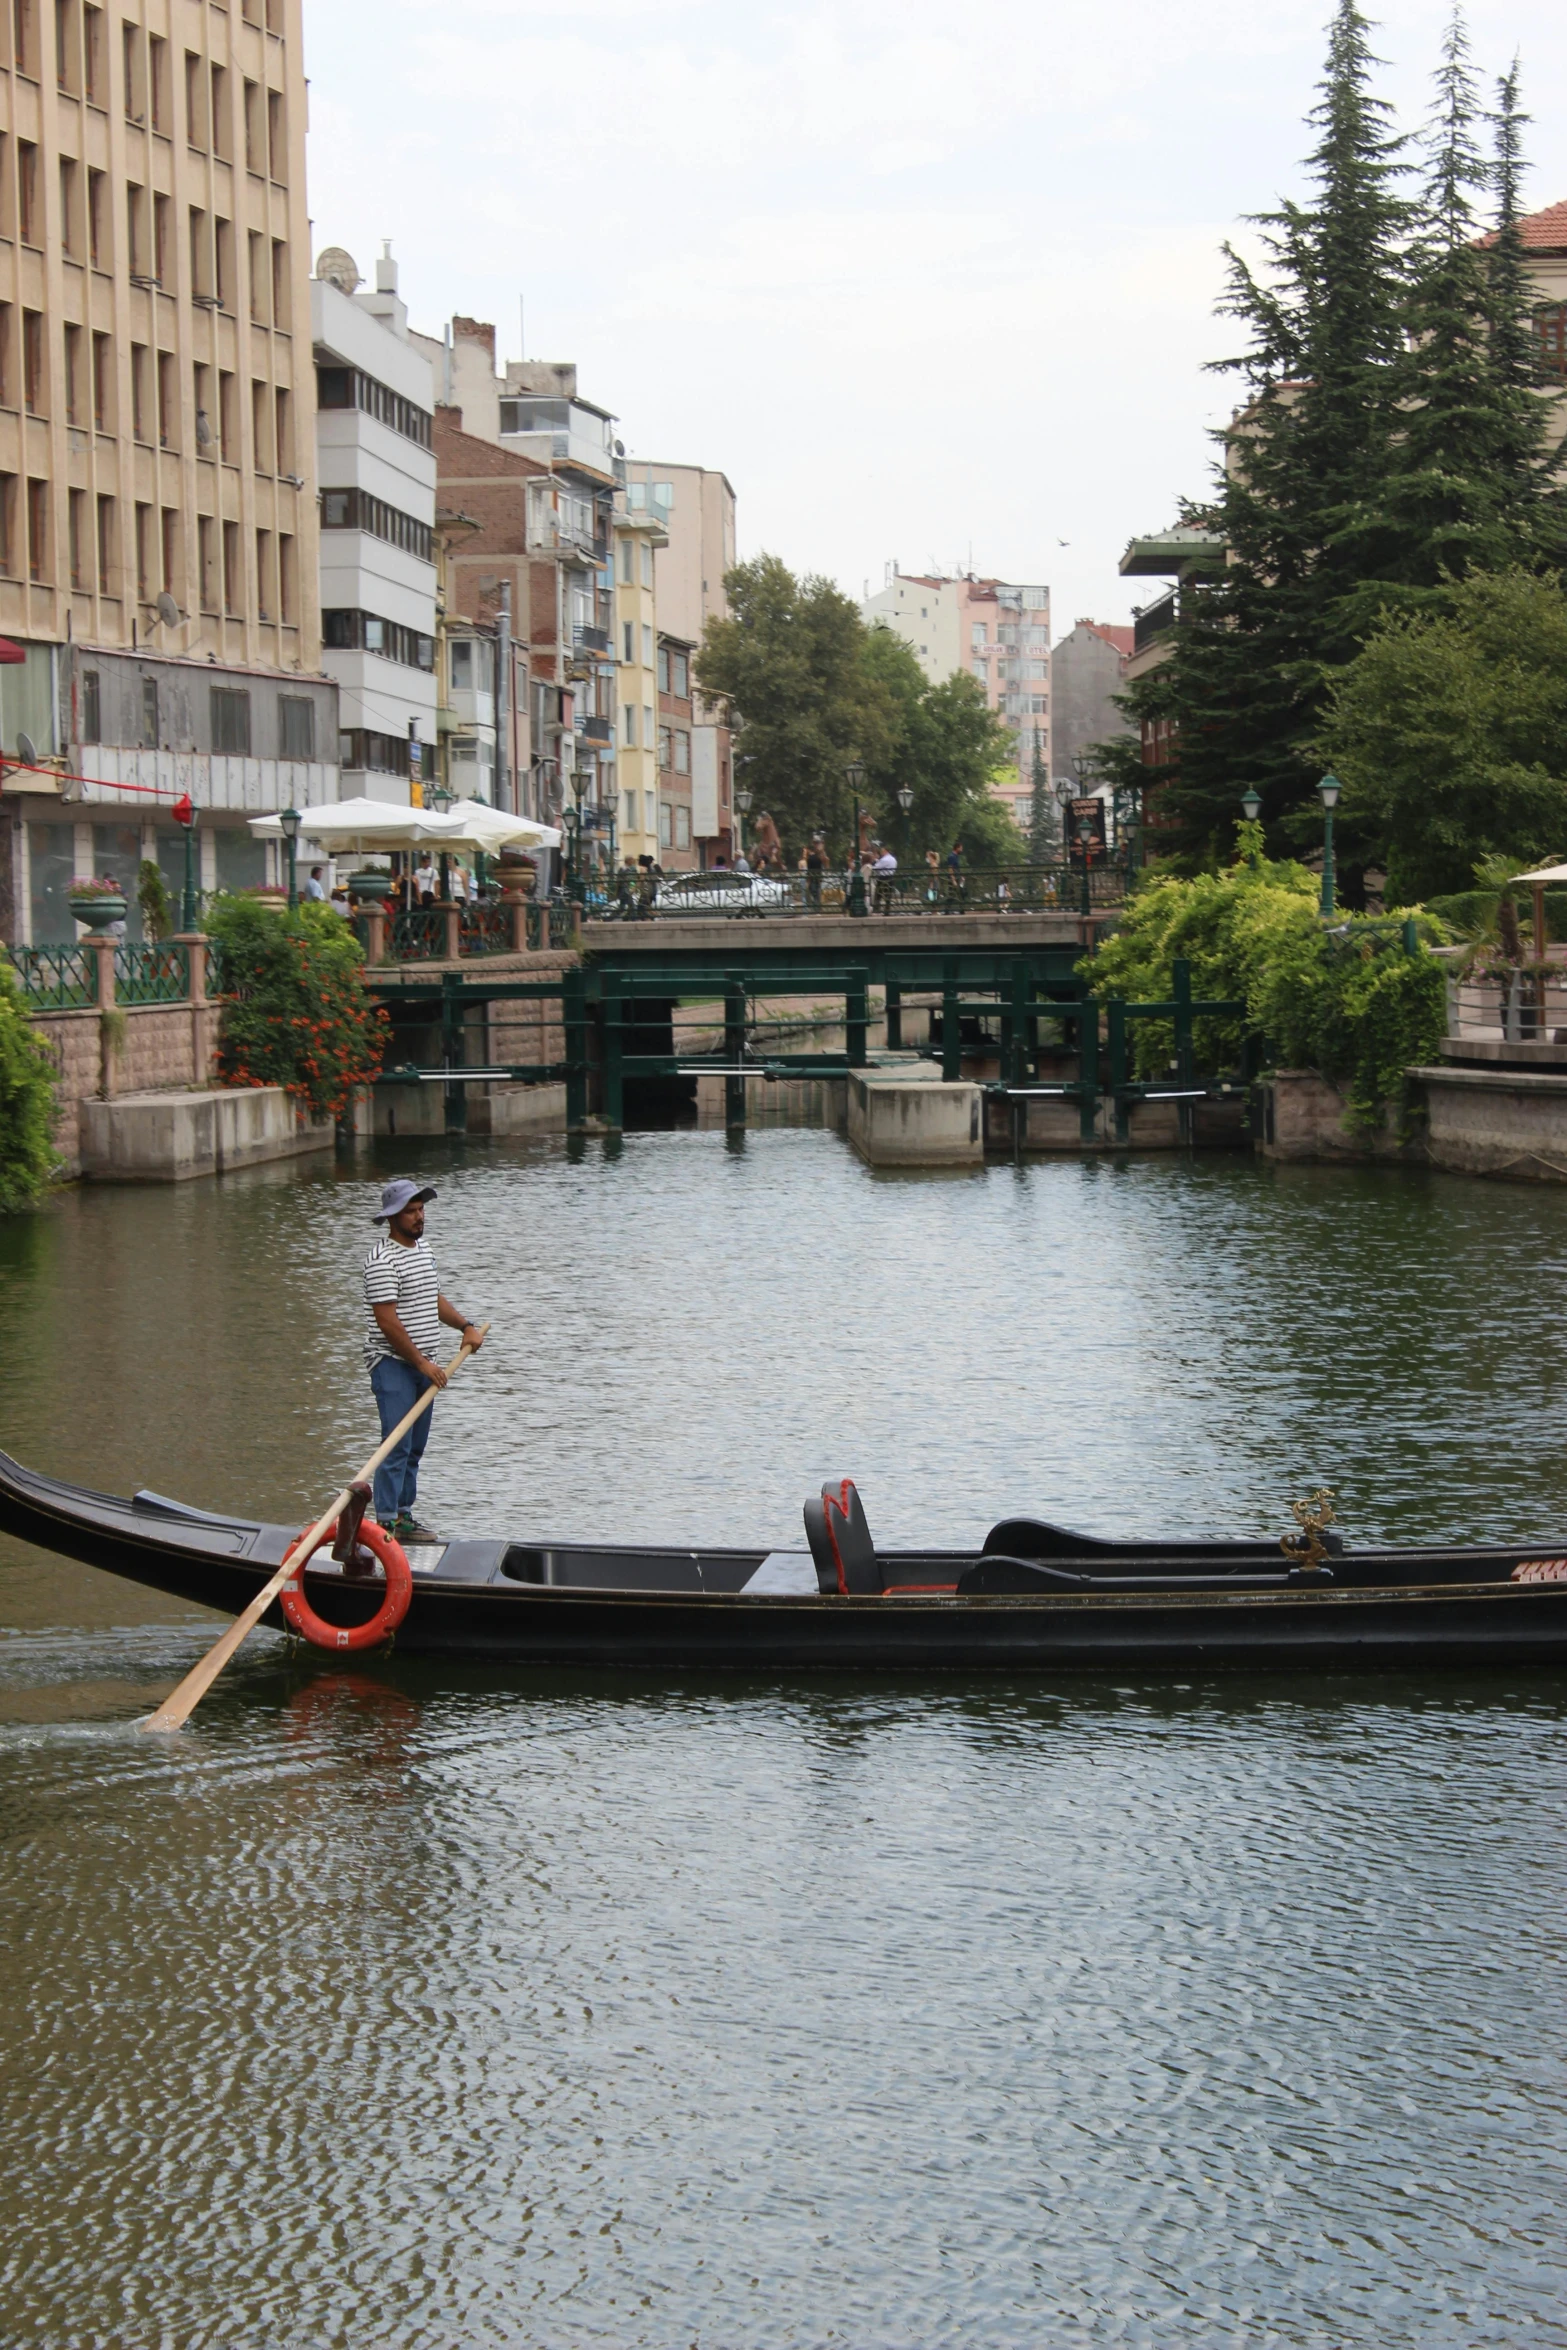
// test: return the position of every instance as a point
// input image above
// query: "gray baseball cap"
(401, 1193)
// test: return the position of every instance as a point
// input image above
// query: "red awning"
(10, 652)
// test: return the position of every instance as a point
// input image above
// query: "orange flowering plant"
(296, 1010)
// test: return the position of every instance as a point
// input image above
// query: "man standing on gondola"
(404, 1310)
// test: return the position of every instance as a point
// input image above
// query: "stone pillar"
(375, 934)
(519, 926)
(103, 948)
(453, 920)
(196, 944)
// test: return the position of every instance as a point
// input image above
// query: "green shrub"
(1347, 1000)
(296, 1010)
(152, 895)
(27, 1103)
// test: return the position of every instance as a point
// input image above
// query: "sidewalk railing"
(56, 979)
(151, 975)
(992, 889)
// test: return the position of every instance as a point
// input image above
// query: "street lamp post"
(1085, 833)
(290, 823)
(1251, 809)
(854, 776)
(742, 799)
(185, 816)
(1328, 791)
(906, 803)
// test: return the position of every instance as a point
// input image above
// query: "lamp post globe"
(1251, 803)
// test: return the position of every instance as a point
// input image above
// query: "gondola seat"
(841, 1545)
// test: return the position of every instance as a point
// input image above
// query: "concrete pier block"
(170, 1137)
(901, 1117)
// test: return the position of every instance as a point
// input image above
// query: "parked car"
(722, 893)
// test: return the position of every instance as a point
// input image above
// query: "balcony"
(594, 730)
(590, 640)
(1153, 622)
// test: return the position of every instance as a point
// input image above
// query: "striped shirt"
(404, 1278)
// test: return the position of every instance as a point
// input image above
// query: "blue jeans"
(398, 1387)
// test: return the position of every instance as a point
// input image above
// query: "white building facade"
(376, 461)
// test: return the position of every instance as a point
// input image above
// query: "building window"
(382, 754)
(149, 714)
(979, 635)
(170, 550)
(277, 138)
(7, 523)
(38, 530)
(76, 512)
(263, 575)
(627, 635)
(296, 727)
(665, 747)
(1551, 327)
(358, 510)
(69, 239)
(647, 646)
(286, 599)
(102, 376)
(233, 572)
(647, 726)
(158, 81)
(95, 223)
(33, 361)
(168, 400)
(347, 387)
(367, 632)
(27, 191)
(682, 825)
(682, 753)
(680, 677)
(666, 825)
(206, 552)
(663, 669)
(647, 566)
(105, 546)
(627, 558)
(231, 721)
(92, 724)
(92, 54)
(73, 375)
(628, 725)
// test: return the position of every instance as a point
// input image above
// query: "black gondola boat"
(1032, 1595)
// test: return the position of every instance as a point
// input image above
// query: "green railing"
(420, 936)
(152, 975)
(915, 889)
(485, 930)
(56, 979)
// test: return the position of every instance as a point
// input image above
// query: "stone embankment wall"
(133, 1048)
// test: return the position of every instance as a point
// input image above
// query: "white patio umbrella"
(365, 825)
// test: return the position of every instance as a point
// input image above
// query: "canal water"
(394, 2006)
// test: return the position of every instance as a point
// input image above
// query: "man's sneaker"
(409, 1529)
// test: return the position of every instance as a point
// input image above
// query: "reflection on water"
(420, 2007)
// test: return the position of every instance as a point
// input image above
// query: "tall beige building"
(695, 504)
(158, 527)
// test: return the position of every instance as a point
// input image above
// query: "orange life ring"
(301, 1617)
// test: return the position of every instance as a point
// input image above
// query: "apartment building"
(158, 531)
(375, 456)
(1087, 671)
(998, 631)
(694, 506)
(678, 848)
(638, 538)
(546, 497)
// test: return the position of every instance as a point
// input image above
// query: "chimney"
(386, 269)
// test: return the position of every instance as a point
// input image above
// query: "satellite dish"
(339, 269)
(27, 750)
(168, 610)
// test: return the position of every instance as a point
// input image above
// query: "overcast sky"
(928, 283)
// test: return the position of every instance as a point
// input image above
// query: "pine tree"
(1466, 490)
(1042, 844)
(1300, 505)
(1526, 459)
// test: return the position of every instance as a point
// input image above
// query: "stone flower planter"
(96, 909)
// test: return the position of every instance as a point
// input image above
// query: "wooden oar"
(177, 1708)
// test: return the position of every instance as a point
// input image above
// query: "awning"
(366, 825)
(10, 651)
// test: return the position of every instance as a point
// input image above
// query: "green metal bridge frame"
(1017, 986)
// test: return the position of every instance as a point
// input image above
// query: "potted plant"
(369, 888)
(95, 903)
